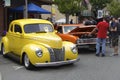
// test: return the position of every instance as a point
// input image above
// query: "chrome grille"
(56, 54)
(86, 41)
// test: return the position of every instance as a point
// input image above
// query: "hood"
(78, 31)
(46, 39)
(83, 29)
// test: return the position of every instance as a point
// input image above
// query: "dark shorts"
(115, 41)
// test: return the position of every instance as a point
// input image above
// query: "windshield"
(35, 28)
(69, 28)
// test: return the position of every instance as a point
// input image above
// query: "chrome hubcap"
(26, 61)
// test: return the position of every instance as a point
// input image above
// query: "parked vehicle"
(63, 32)
(35, 42)
(78, 34)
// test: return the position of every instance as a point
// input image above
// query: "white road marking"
(17, 67)
(0, 76)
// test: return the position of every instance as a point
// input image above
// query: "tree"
(68, 7)
(114, 8)
(98, 5)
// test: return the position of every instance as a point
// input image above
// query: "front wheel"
(27, 62)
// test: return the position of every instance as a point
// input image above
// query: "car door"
(17, 38)
(10, 35)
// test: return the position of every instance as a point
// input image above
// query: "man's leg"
(98, 41)
(103, 47)
(116, 49)
(115, 45)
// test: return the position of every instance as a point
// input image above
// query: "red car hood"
(83, 29)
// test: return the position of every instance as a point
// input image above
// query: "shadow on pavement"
(86, 51)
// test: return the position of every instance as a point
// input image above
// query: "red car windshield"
(67, 29)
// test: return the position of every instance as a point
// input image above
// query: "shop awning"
(32, 8)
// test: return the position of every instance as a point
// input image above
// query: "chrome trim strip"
(57, 63)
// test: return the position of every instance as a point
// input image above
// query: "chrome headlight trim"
(74, 49)
(39, 52)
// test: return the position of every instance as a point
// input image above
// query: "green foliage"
(68, 6)
(99, 4)
(114, 8)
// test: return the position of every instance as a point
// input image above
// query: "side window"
(17, 28)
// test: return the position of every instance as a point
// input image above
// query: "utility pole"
(52, 12)
(26, 9)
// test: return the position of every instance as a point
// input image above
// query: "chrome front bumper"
(89, 41)
(57, 63)
(86, 41)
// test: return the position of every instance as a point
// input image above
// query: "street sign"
(100, 14)
(7, 3)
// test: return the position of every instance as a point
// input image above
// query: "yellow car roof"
(29, 21)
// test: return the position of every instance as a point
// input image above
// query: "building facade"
(6, 16)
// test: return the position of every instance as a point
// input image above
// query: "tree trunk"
(95, 13)
(67, 18)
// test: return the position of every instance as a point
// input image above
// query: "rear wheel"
(27, 62)
(3, 50)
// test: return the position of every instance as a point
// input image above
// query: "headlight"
(78, 41)
(39, 52)
(74, 49)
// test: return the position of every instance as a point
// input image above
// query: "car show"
(59, 39)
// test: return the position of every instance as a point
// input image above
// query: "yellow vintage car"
(36, 43)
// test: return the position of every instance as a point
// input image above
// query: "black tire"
(27, 62)
(3, 51)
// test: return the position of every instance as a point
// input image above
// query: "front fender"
(68, 37)
(5, 42)
(30, 50)
(69, 55)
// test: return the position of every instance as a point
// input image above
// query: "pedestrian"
(55, 26)
(118, 26)
(114, 35)
(71, 21)
(101, 29)
(92, 21)
(86, 21)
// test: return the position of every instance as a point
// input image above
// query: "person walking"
(101, 28)
(114, 35)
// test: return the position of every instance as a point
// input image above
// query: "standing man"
(114, 35)
(101, 29)
(118, 26)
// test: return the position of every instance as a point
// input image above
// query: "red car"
(78, 34)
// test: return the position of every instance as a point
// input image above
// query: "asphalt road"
(89, 67)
